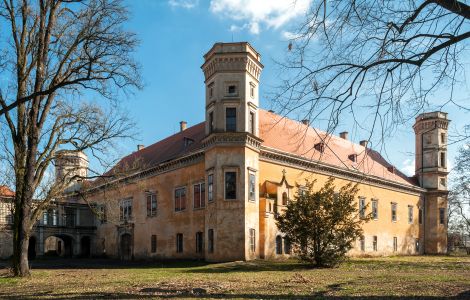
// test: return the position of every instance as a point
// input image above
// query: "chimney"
(363, 143)
(305, 122)
(183, 125)
(140, 147)
(343, 135)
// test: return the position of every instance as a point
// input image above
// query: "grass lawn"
(391, 277)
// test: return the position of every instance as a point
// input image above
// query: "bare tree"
(380, 59)
(459, 199)
(57, 50)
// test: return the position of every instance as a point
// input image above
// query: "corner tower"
(431, 172)
(232, 72)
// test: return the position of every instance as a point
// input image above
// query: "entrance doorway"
(32, 248)
(126, 246)
(85, 245)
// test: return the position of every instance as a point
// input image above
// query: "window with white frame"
(375, 209)
(252, 240)
(410, 214)
(394, 211)
(362, 207)
(252, 187)
(210, 187)
(126, 209)
(151, 199)
(180, 199)
(199, 195)
(395, 244)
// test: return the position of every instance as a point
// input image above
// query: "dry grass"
(391, 277)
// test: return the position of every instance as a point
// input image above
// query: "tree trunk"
(21, 235)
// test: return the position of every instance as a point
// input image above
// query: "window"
(151, 204)
(443, 159)
(353, 157)
(179, 243)
(287, 246)
(375, 209)
(210, 187)
(55, 217)
(252, 240)
(180, 199)
(199, 242)
(320, 147)
(252, 90)
(199, 195)
(420, 216)
(252, 187)
(394, 212)
(211, 122)
(417, 245)
(232, 90)
(230, 119)
(5, 214)
(395, 244)
(302, 190)
(362, 207)
(443, 138)
(363, 243)
(230, 185)
(45, 217)
(374, 243)
(153, 244)
(126, 210)
(278, 245)
(442, 213)
(210, 239)
(410, 214)
(285, 200)
(251, 123)
(211, 90)
(103, 214)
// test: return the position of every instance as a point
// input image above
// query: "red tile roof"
(6, 192)
(281, 134)
(295, 138)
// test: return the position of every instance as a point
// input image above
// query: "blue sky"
(174, 36)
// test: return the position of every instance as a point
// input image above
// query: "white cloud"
(187, 4)
(256, 13)
(408, 167)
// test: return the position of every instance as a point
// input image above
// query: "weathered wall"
(384, 228)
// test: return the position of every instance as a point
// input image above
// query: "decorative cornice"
(171, 165)
(232, 138)
(272, 155)
(229, 62)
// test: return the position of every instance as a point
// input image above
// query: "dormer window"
(391, 169)
(353, 157)
(320, 147)
(187, 141)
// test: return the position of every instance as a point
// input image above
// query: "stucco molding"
(231, 139)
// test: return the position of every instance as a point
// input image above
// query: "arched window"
(284, 198)
(287, 246)
(278, 244)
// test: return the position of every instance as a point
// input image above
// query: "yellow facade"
(250, 179)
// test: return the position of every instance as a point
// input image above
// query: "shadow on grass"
(252, 266)
(100, 263)
(149, 293)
